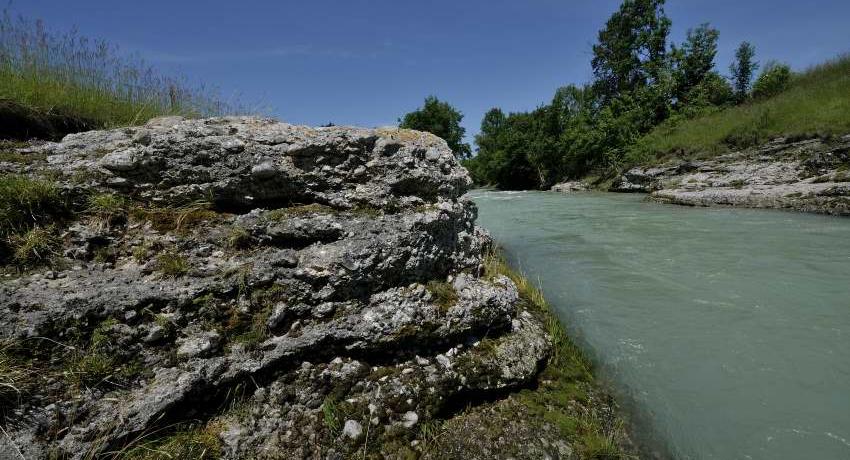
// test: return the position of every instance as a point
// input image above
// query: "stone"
(352, 429)
(807, 176)
(325, 303)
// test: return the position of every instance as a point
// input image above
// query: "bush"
(775, 79)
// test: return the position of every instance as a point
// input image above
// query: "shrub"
(775, 79)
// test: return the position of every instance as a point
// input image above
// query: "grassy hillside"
(69, 80)
(816, 104)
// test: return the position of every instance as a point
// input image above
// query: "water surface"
(725, 331)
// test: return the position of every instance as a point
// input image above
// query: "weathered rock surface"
(269, 285)
(809, 176)
(570, 186)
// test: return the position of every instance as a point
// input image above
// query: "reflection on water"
(726, 331)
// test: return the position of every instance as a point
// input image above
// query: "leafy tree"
(631, 52)
(743, 70)
(694, 60)
(441, 119)
(774, 79)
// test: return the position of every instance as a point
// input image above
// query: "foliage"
(743, 70)
(90, 79)
(774, 79)
(442, 120)
(643, 93)
(631, 51)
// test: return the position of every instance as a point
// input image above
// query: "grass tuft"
(25, 202)
(238, 238)
(34, 246)
(172, 264)
(107, 209)
(444, 294)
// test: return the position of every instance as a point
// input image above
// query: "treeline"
(640, 81)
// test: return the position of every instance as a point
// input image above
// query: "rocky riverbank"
(244, 288)
(809, 176)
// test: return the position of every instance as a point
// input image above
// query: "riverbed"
(725, 333)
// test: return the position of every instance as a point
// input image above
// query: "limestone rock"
(267, 282)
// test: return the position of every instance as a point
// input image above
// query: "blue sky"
(367, 62)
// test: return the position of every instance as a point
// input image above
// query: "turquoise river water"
(725, 333)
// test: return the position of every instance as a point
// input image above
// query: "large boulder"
(260, 290)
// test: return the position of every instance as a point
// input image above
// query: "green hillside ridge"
(816, 104)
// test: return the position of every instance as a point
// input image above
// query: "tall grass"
(817, 103)
(90, 79)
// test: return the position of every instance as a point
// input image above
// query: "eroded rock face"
(809, 176)
(279, 288)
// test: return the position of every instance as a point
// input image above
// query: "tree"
(743, 70)
(694, 60)
(631, 52)
(774, 79)
(442, 120)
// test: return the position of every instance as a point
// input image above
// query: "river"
(725, 333)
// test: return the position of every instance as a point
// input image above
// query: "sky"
(368, 62)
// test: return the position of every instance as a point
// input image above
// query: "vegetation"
(650, 99)
(36, 245)
(196, 442)
(444, 294)
(90, 80)
(172, 264)
(441, 119)
(815, 103)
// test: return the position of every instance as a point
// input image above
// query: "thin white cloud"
(279, 51)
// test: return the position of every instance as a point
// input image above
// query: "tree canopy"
(640, 81)
(441, 119)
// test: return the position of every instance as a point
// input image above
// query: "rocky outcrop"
(253, 289)
(570, 186)
(809, 176)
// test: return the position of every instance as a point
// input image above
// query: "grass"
(562, 396)
(25, 202)
(444, 294)
(106, 209)
(817, 103)
(91, 79)
(189, 442)
(298, 211)
(171, 264)
(12, 375)
(238, 238)
(34, 246)
(175, 219)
